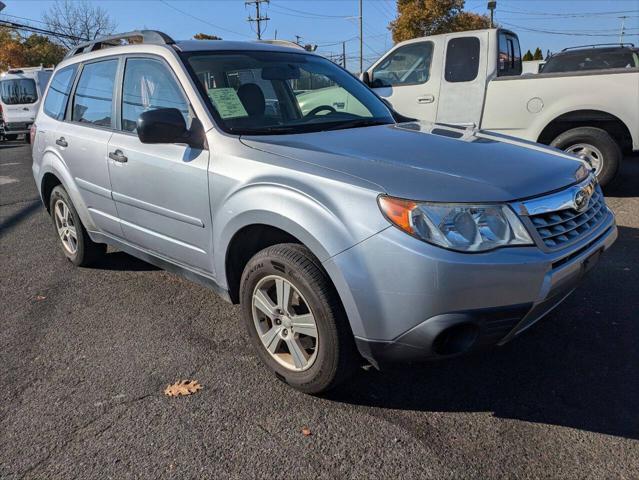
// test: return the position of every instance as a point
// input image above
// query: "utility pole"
(492, 6)
(361, 39)
(258, 18)
(622, 32)
(297, 39)
(344, 54)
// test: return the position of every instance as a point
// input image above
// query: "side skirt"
(163, 263)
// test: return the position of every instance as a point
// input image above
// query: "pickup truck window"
(462, 59)
(408, 65)
(509, 60)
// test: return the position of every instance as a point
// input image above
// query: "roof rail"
(283, 43)
(147, 36)
(631, 45)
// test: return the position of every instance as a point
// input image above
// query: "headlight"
(457, 226)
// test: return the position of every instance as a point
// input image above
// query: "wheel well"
(49, 182)
(588, 118)
(246, 243)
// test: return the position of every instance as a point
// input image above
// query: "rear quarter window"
(58, 92)
(462, 59)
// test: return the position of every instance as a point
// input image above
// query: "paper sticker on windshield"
(227, 102)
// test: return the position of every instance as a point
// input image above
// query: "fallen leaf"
(39, 298)
(306, 432)
(184, 387)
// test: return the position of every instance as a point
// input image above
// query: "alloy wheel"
(285, 324)
(65, 226)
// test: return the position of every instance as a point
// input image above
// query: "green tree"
(418, 18)
(538, 55)
(206, 36)
(528, 56)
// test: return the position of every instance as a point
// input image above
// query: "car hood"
(425, 161)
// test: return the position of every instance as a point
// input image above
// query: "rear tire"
(327, 358)
(596, 146)
(72, 236)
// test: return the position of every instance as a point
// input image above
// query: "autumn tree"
(206, 36)
(80, 20)
(418, 18)
(31, 51)
(528, 56)
(538, 55)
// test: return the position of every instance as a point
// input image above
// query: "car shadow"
(121, 261)
(625, 185)
(578, 368)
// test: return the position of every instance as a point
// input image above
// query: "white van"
(20, 92)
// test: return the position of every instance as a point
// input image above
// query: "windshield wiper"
(264, 130)
(359, 122)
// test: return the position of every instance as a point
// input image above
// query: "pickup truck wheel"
(295, 320)
(596, 147)
(74, 239)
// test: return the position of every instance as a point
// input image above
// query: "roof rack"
(631, 45)
(147, 36)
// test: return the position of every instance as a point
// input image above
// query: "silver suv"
(343, 234)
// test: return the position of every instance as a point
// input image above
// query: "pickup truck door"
(409, 76)
(160, 190)
(463, 83)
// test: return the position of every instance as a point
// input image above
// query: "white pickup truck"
(474, 79)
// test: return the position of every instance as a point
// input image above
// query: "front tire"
(73, 237)
(295, 320)
(596, 147)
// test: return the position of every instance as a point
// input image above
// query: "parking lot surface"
(85, 354)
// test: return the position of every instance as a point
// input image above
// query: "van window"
(509, 59)
(462, 59)
(149, 85)
(408, 65)
(18, 91)
(92, 101)
(55, 104)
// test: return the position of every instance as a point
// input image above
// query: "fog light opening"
(456, 339)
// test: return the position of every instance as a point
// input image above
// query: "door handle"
(118, 156)
(62, 142)
(426, 99)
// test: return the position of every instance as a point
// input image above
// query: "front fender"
(326, 229)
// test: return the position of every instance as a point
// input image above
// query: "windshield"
(591, 60)
(268, 93)
(18, 91)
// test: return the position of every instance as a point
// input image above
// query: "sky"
(547, 24)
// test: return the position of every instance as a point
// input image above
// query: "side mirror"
(365, 78)
(167, 125)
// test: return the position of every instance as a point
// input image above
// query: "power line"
(29, 28)
(258, 17)
(307, 13)
(566, 15)
(570, 34)
(203, 21)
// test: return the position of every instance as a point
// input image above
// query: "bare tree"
(78, 19)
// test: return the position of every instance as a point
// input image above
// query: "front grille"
(562, 227)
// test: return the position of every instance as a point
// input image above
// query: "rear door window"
(55, 104)
(462, 59)
(93, 98)
(18, 91)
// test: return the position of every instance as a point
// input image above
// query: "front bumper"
(407, 300)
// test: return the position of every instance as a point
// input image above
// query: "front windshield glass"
(18, 91)
(267, 93)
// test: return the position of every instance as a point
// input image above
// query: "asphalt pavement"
(85, 354)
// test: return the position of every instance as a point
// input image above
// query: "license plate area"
(592, 260)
